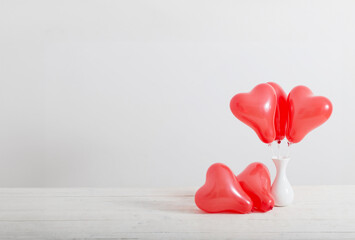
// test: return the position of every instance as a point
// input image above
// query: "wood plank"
(318, 212)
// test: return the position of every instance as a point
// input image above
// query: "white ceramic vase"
(281, 188)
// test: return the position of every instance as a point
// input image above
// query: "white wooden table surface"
(322, 212)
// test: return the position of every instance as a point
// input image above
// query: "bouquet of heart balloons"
(273, 115)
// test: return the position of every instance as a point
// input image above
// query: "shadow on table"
(165, 203)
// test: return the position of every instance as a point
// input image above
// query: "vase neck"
(281, 163)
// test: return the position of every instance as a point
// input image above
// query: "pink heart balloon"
(255, 181)
(281, 111)
(257, 110)
(306, 112)
(222, 192)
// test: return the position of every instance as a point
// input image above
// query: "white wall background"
(136, 93)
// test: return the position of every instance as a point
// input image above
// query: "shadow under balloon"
(177, 203)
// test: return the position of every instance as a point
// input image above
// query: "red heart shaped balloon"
(255, 181)
(281, 111)
(222, 192)
(257, 110)
(306, 112)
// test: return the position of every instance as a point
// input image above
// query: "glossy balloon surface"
(257, 110)
(255, 181)
(281, 112)
(222, 192)
(306, 112)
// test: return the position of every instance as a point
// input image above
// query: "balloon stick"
(289, 144)
(272, 150)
